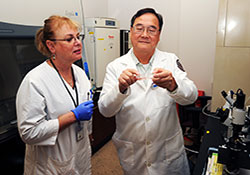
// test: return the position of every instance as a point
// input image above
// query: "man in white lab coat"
(141, 89)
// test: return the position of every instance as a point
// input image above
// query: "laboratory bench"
(213, 138)
(12, 151)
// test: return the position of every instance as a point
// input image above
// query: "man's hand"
(164, 79)
(127, 78)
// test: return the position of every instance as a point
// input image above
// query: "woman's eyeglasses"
(69, 39)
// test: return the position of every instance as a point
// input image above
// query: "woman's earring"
(53, 56)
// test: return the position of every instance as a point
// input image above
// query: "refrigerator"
(102, 43)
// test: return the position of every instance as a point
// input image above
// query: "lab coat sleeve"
(111, 100)
(186, 92)
(33, 126)
(85, 83)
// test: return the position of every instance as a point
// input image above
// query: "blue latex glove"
(84, 111)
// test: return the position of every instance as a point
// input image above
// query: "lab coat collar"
(128, 61)
(131, 63)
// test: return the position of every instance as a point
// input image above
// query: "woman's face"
(67, 45)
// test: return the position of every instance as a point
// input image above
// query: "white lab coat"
(148, 135)
(41, 98)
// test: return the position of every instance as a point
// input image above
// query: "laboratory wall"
(232, 61)
(197, 38)
(95, 8)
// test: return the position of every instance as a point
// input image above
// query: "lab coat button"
(148, 142)
(147, 119)
(148, 164)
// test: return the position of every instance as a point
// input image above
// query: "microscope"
(235, 152)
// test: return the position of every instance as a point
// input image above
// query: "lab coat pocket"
(60, 167)
(174, 147)
(160, 98)
(83, 96)
(125, 152)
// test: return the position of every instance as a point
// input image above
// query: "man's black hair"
(147, 10)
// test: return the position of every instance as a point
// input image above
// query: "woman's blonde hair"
(47, 32)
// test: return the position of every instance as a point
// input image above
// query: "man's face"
(145, 33)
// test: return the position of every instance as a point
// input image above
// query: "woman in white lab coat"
(148, 135)
(53, 106)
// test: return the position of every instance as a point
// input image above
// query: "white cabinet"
(234, 23)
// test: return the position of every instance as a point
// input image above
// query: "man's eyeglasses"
(70, 38)
(151, 30)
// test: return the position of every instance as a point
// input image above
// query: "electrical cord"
(192, 151)
(207, 114)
